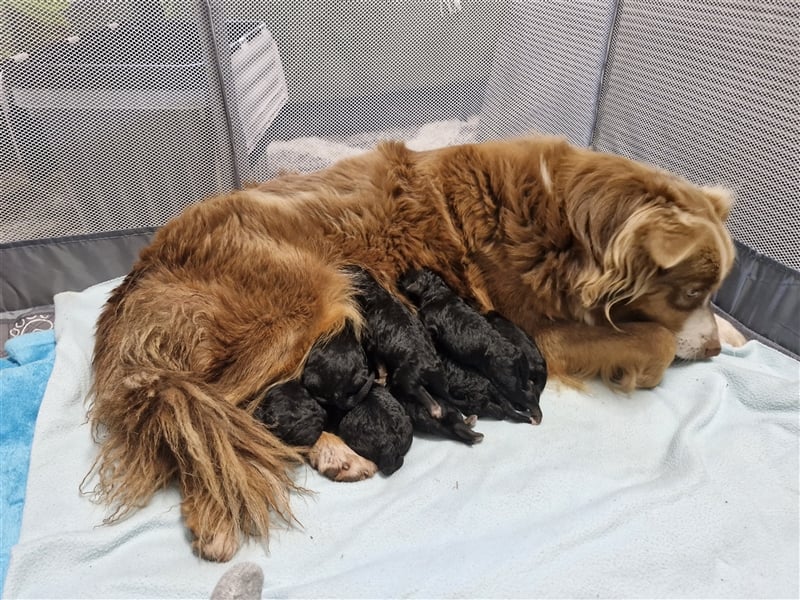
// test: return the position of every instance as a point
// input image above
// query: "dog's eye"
(693, 293)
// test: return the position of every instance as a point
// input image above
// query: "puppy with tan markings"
(609, 264)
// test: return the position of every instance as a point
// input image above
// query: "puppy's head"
(658, 248)
(422, 284)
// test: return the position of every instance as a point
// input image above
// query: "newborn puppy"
(398, 340)
(378, 429)
(475, 394)
(536, 362)
(292, 413)
(466, 336)
(452, 425)
(336, 370)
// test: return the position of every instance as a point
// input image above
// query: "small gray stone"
(241, 582)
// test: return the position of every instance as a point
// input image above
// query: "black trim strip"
(764, 296)
(32, 272)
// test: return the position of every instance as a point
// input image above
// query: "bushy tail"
(234, 473)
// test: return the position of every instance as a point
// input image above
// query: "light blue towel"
(23, 379)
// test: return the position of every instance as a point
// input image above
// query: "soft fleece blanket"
(688, 490)
(24, 373)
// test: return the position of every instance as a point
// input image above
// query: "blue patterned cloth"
(23, 378)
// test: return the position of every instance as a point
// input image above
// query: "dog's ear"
(652, 237)
(669, 245)
(721, 199)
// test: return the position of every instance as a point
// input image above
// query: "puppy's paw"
(334, 459)
(728, 334)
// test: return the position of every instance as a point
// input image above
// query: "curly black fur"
(378, 429)
(399, 340)
(292, 413)
(475, 394)
(337, 372)
(536, 362)
(465, 335)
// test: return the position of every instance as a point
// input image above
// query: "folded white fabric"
(688, 490)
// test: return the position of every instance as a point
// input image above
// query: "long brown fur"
(582, 250)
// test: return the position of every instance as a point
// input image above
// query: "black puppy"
(335, 378)
(378, 429)
(397, 339)
(452, 425)
(337, 372)
(292, 413)
(466, 336)
(475, 394)
(536, 362)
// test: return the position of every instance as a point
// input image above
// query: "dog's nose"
(712, 349)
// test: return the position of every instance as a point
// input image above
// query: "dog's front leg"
(633, 356)
(337, 461)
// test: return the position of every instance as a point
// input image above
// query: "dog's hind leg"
(463, 427)
(233, 473)
(424, 397)
(452, 425)
(176, 363)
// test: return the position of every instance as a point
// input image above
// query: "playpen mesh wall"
(115, 115)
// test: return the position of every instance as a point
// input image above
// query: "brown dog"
(608, 263)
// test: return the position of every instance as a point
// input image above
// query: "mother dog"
(608, 263)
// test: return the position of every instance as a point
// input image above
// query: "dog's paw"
(627, 379)
(650, 349)
(334, 459)
(219, 548)
(216, 538)
(646, 374)
(728, 334)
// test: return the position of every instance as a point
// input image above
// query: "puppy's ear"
(721, 199)
(670, 241)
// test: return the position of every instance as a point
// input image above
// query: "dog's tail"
(233, 472)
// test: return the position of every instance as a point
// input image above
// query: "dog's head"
(657, 245)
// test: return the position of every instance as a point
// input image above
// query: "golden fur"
(600, 258)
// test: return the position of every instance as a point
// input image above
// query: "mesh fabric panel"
(117, 114)
(111, 117)
(360, 71)
(213, 94)
(547, 70)
(711, 90)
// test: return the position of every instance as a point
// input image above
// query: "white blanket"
(689, 490)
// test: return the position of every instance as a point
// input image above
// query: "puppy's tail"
(233, 472)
